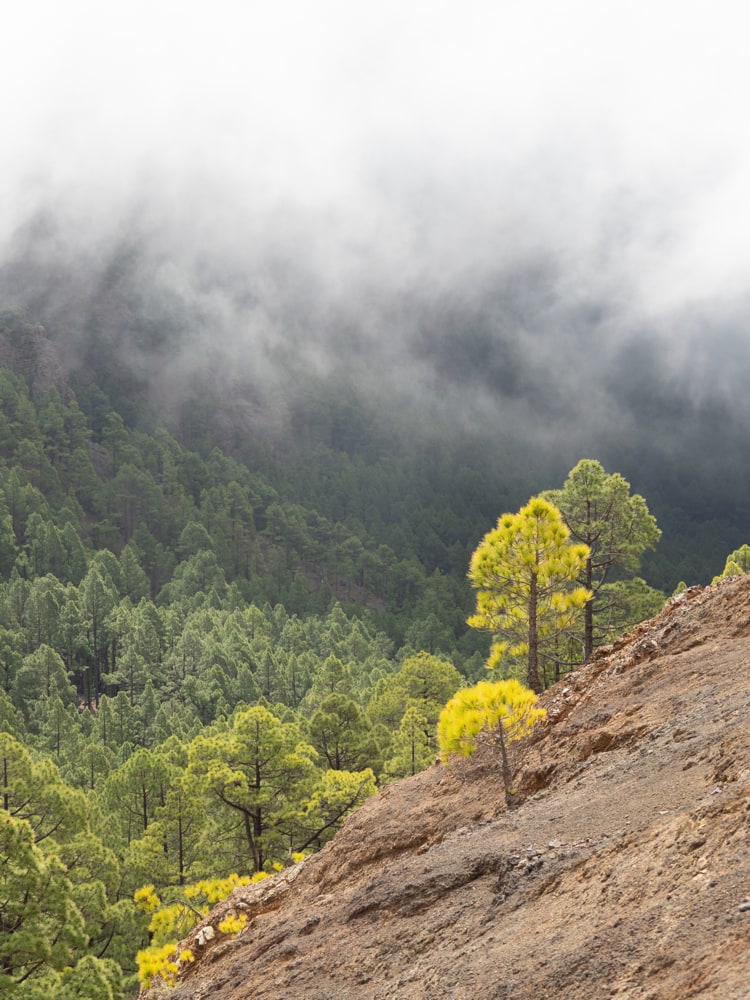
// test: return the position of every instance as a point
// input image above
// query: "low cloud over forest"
(522, 223)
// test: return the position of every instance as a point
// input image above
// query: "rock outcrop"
(26, 350)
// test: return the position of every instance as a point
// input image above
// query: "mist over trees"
(333, 259)
(284, 327)
(268, 364)
(211, 653)
(257, 571)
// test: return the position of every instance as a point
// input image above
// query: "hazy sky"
(572, 178)
(586, 127)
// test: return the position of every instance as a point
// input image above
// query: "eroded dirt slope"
(623, 873)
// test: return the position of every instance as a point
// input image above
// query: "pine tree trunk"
(511, 796)
(588, 618)
(532, 673)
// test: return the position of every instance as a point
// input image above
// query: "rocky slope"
(624, 872)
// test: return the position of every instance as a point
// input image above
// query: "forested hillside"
(165, 616)
(214, 643)
(329, 381)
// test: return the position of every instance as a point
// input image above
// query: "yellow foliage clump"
(147, 899)
(485, 707)
(174, 921)
(233, 923)
(157, 961)
(214, 890)
(170, 922)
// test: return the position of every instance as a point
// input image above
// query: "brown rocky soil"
(623, 872)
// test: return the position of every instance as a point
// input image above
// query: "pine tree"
(337, 794)
(500, 711)
(259, 774)
(617, 527)
(341, 733)
(33, 790)
(525, 571)
(738, 562)
(135, 791)
(171, 850)
(413, 748)
(40, 926)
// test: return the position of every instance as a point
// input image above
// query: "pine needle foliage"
(497, 712)
(173, 920)
(738, 562)
(617, 527)
(485, 707)
(525, 572)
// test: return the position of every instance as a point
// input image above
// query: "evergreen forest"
(214, 646)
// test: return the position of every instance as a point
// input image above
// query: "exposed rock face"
(625, 872)
(26, 350)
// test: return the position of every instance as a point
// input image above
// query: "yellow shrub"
(214, 890)
(172, 921)
(157, 961)
(233, 923)
(486, 706)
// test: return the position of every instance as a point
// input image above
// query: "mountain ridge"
(622, 872)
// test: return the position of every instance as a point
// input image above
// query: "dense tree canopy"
(738, 562)
(40, 924)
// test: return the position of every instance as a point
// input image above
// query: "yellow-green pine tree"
(504, 710)
(525, 573)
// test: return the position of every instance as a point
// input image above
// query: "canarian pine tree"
(617, 528)
(525, 572)
(503, 711)
(738, 562)
(483, 707)
(413, 746)
(336, 794)
(257, 778)
(40, 926)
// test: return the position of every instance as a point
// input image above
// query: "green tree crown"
(525, 572)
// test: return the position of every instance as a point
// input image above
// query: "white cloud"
(440, 138)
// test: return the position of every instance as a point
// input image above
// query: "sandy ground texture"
(624, 872)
